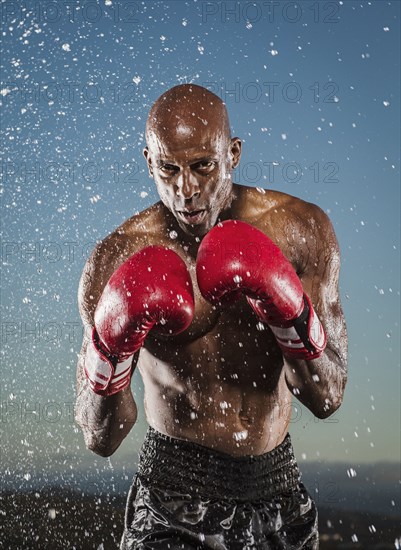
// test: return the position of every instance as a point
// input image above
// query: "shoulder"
(307, 235)
(307, 216)
(270, 206)
(135, 233)
(301, 229)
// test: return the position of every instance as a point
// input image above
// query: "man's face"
(192, 172)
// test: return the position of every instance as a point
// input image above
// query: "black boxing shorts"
(189, 497)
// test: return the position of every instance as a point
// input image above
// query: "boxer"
(226, 299)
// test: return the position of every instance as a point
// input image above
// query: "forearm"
(105, 420)
(319, 384)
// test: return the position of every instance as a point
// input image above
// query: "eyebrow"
(193, 161)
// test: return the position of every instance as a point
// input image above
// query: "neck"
(227, 212)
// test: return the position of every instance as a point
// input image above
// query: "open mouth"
(196, 216)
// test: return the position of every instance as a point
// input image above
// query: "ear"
(148, 159)
(235, 151)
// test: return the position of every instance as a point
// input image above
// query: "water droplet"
(240, 436)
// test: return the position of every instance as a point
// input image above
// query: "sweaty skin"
(223, 383)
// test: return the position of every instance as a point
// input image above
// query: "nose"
(187, 186)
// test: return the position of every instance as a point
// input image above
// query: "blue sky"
(312, 89)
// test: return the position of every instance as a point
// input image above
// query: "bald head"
(186, 112)
(190, 155)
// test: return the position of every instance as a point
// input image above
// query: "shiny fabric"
(189, 497)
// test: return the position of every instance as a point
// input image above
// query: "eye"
(168, 169)
(205, 166)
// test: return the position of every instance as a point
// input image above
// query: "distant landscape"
(357, 509)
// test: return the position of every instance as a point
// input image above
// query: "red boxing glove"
(152, 288)
(234, 258)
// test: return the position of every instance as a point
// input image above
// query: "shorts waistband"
(188, 467)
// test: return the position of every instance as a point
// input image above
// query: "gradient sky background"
(77, 84)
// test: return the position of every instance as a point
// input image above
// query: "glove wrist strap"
(305, 338)
(106, 374)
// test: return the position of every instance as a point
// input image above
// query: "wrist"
(305, 337)
(106, 373)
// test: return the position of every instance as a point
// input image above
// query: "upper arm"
(93, 280)
(104, 260)
(106, 257)
(320, 279)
